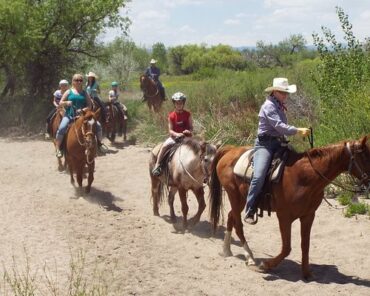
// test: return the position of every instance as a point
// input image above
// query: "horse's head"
(143, 82)
(208, 152)
(88, 122)
(360, 159)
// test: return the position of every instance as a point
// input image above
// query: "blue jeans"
(264, 151)
(64, 126)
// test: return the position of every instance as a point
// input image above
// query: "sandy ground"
(44, 223)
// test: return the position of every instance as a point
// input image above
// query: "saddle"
(244, 169)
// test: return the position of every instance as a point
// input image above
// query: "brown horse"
(115, 120)
(151, 93)
(187, 170)
(54, 125)
(296, 196)
(80, 147)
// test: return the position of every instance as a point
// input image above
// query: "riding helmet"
(114, 83)
(179, 96)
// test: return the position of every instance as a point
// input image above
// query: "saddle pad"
(243, 166)
(156, 149)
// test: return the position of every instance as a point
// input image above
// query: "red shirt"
(180, 121)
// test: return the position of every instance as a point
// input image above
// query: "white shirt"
(113, 96)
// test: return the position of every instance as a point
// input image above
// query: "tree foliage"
(44, 39)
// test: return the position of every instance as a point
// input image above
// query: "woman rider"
(75, 99)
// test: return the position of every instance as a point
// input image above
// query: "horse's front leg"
(306, 224)
(184, 207)
(199, 193)
(171, 199)
(156, 192)
(90, 178)
(285, 225)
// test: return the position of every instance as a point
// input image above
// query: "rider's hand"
(187, 133)
(303, 131)
(69, 103)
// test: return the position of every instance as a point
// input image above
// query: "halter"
(364, 175)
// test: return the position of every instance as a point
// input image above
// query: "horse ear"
(218, 144)
(203, 146)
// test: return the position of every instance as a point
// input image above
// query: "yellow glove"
(303, 131)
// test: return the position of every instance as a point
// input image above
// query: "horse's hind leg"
(156, 194)
(184, 207)
(90, 178)
(171, 199)
(199, 193)
(227, 240)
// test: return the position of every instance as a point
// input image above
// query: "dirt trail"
(139, 254)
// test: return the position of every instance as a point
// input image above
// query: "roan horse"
(54, 125)
(115, 120)
(187, 170)
(151, 93)
(80, 147)
(296, 196)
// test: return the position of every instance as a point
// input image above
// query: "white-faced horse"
(187, 169)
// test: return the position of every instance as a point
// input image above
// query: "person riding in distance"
(272, 129)
(93, 89)
(180, 124)
(154, 72)
(63, 86)
(75, 99)
(113, 98)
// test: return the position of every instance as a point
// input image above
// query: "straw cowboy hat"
(153, 61)
(92, 74)
(281, 84)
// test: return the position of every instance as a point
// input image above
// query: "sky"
(238, 22)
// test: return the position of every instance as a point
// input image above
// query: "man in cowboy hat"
(272, 129)
(153, 72)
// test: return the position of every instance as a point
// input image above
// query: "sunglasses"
(78, 80)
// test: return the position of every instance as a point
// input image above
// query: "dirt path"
(139, 254)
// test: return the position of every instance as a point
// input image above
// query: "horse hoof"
(226, 253)
(156, 214)
(307, 276)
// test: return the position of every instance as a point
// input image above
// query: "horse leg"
(156, 194)
(184, 207)
(285, 225)
(124, 129)
(199, 193)
(171, 198)
(227, 240)
(306, 224)
(90, 178)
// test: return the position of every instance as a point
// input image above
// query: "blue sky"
(238, 22)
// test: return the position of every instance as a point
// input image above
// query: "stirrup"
(102, 148)
(251, 218)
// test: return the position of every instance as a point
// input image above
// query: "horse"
(297, 195)
(187, 169)
(151, 93)
(116, 120)
(53, 128)
(80, 147)
(112, 121)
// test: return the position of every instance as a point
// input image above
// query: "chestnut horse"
(187, 170)
(151, 93)
(54, 125)
(80, 147)
(297, 195)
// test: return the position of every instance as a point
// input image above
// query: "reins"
(148, 95)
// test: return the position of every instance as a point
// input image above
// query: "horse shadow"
(323, 274)
(103, 198)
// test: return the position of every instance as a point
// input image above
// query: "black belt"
(266, 137)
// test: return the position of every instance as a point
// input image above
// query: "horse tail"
(215, 192)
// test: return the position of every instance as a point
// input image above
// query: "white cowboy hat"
(92, 74)
(153, 61)
(281, 84)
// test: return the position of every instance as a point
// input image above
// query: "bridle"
(88, 139)
(352, 163)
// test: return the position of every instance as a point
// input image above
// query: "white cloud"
(232, 22)
(187, 29)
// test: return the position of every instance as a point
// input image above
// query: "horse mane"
(193, 143)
